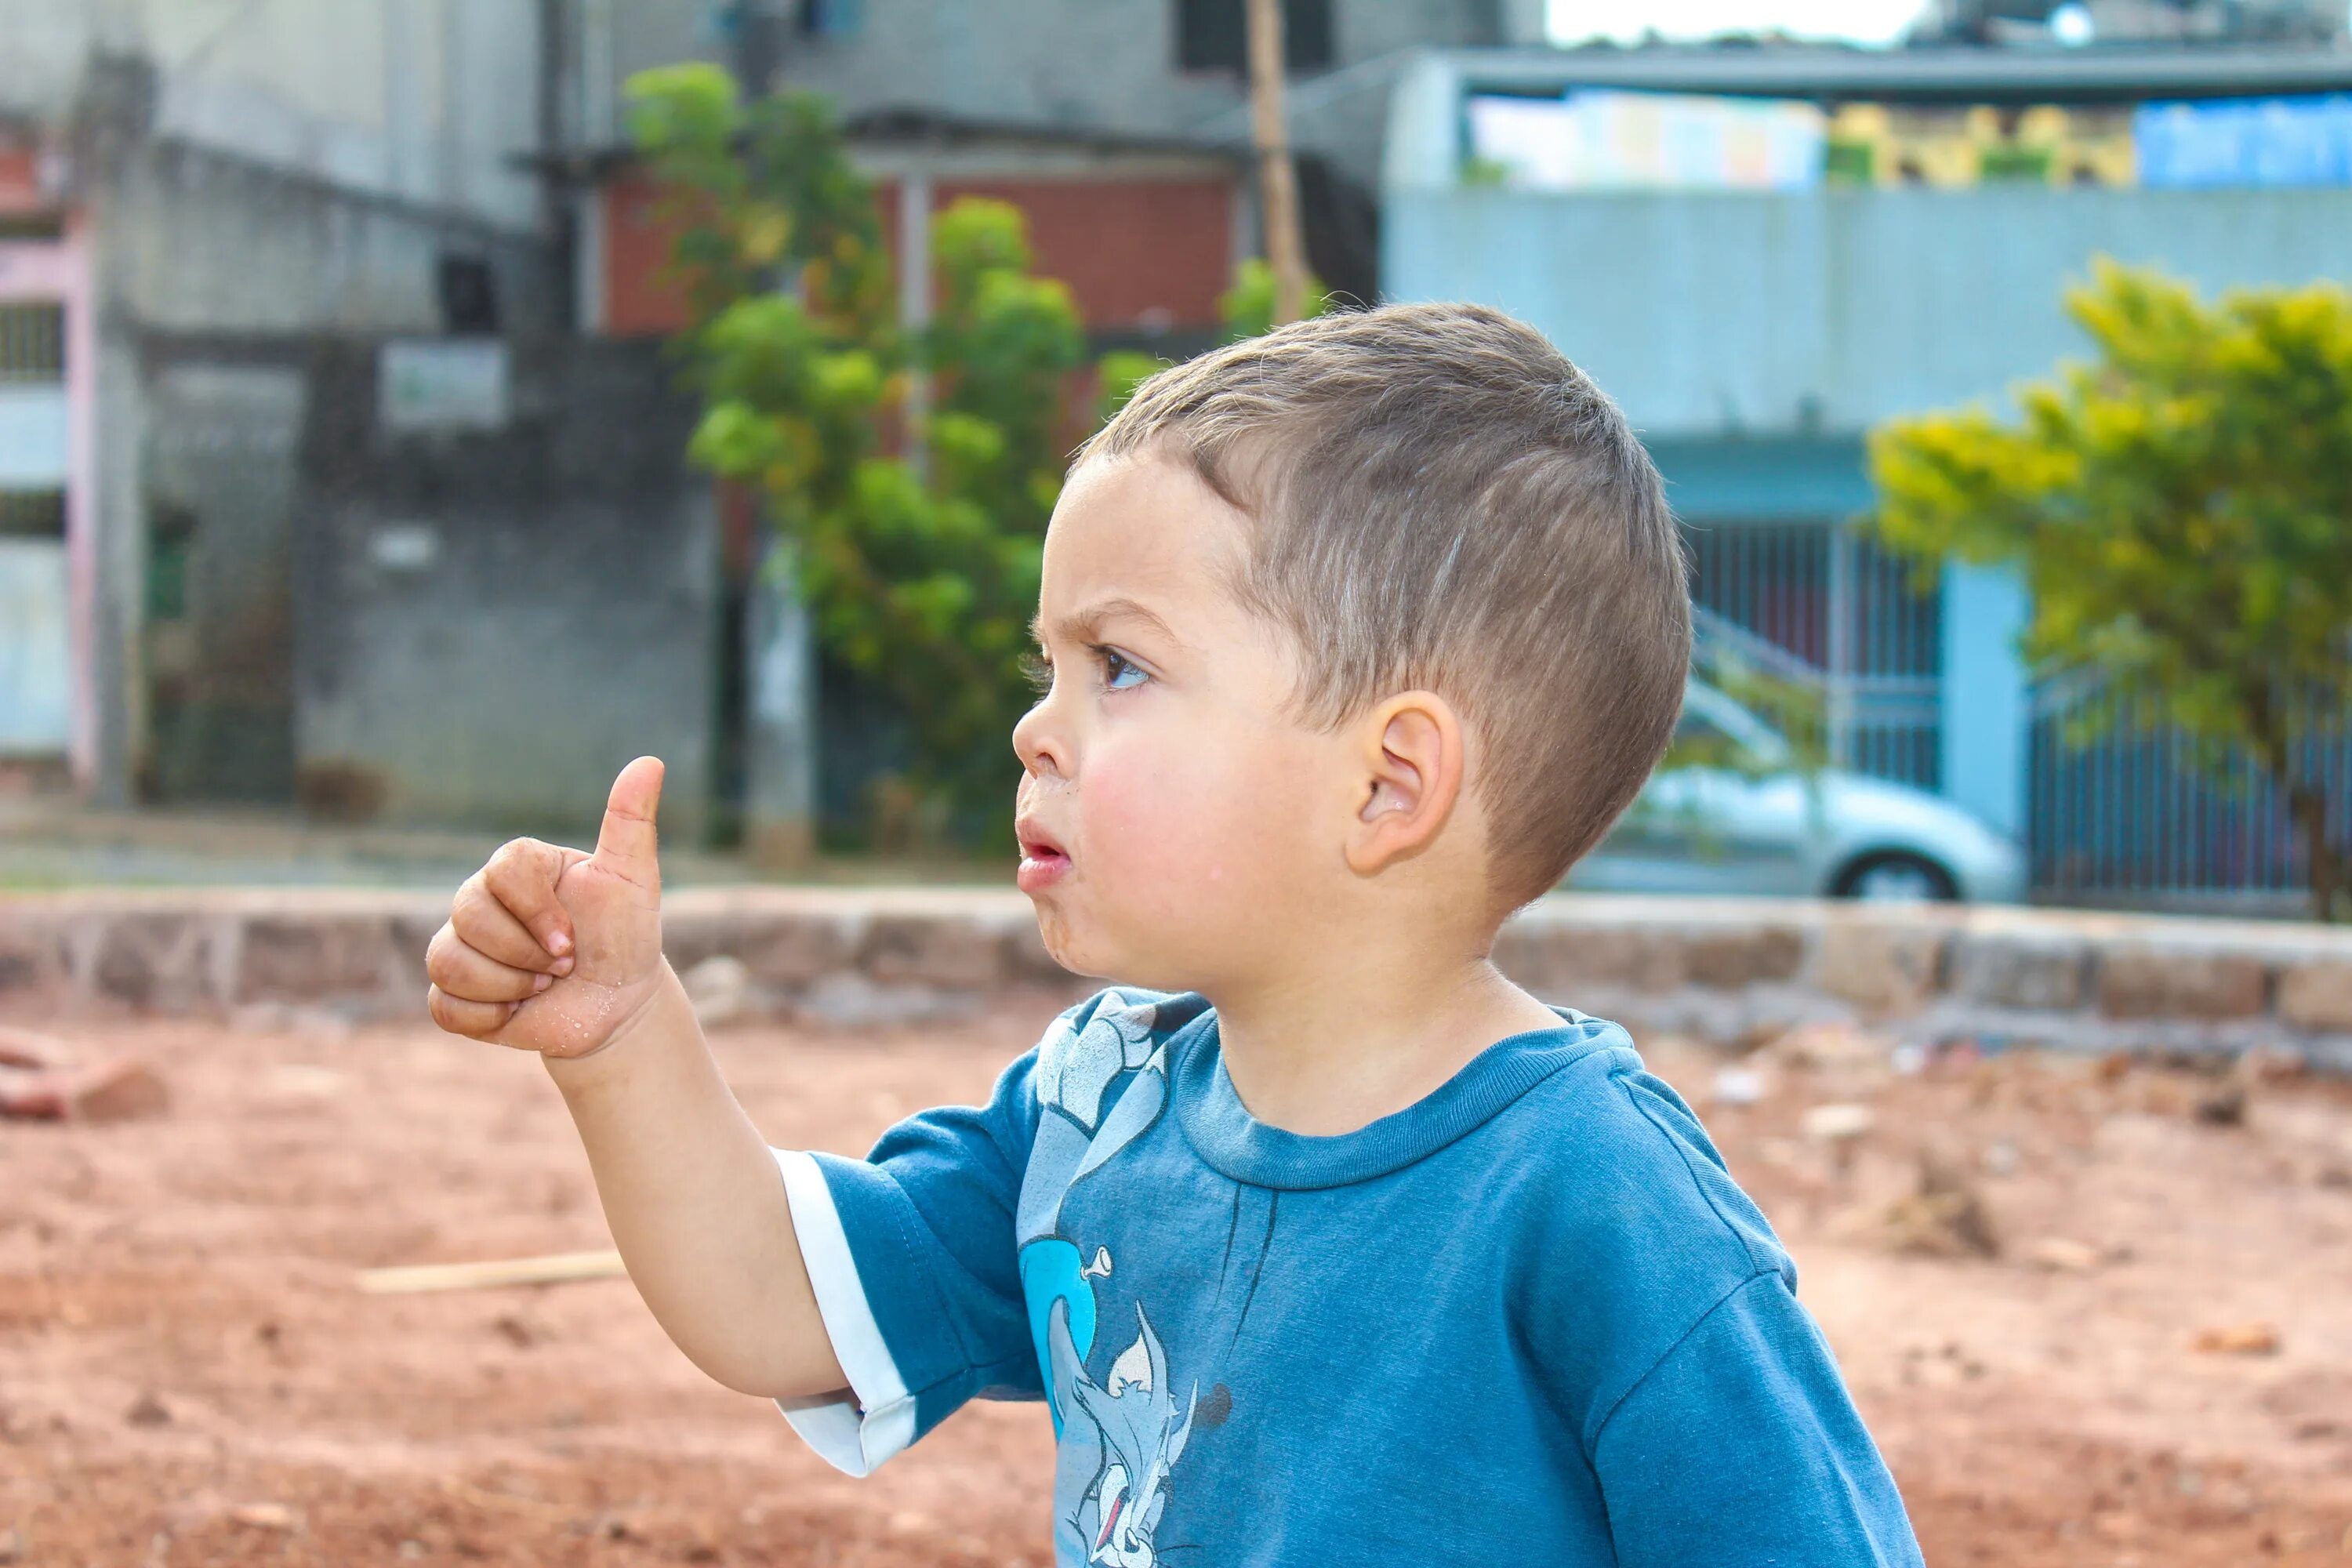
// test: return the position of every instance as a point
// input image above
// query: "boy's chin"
(1094, 955)
(1064, 944)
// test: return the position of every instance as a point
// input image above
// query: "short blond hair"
(1439, 499)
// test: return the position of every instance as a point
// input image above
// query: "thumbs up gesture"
(554, 949)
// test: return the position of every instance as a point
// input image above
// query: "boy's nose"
(1040, 747)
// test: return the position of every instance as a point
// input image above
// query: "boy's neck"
(1330, 1051)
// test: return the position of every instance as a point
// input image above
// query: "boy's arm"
(692, 1194)
(1741, 1446)
(558, 952)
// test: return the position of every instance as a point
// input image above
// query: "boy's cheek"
(1165, 850)
(1161, 820)
(1191, 841)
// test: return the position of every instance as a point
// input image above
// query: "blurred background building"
(299, 426)
(1763, 253)
(2130, 21)
(341, 462)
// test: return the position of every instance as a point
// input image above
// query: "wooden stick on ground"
(28, 1048)
(553, 1270)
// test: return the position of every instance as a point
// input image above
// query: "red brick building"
(1146, 232)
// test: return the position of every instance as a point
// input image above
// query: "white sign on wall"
(443, 384)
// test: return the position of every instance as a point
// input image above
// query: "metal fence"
(1817, 602)
(2118, 807)
(2126, 812)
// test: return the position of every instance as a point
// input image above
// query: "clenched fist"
(554, 949)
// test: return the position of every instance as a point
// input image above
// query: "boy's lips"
(1043, 860)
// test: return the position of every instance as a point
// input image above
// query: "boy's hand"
(554, 949)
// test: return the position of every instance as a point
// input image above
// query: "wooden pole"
(555, 1268)
(1277, 177)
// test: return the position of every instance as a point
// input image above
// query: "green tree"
(1247, 308)
(920, 565)
(2180, 508)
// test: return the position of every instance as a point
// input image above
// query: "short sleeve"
(913, 1252)
(911, 1256)
(1741, 1446)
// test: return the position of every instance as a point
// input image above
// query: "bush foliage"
(2180, 508)
(913, 530)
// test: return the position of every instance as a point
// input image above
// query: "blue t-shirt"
(1528, 1319)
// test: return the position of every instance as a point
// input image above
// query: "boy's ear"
(1412, 767)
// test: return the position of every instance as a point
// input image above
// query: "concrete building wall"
(192, 239)
(488, 625)
(216, 273)
(428, 101)
(1110, 64)
(1741, 314)
(239, 182)
(1105, 65)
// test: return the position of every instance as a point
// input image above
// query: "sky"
(1859, 21)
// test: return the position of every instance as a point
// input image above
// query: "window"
(32, 514)
(1214, 34)
(829, 18)
(32, 342)
(469, 295)
(1701, 743)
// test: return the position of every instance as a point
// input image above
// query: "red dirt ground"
(187, 1376)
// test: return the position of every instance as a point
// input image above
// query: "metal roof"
(918, 126)
(913, 129)
(1925, 74)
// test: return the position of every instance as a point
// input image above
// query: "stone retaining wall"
(1721, 968)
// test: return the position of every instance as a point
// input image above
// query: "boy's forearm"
(695, 1204)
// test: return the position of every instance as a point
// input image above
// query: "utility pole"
(756, 48)
(1277, 177)
(774, 729)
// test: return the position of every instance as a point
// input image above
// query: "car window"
(1715, 731)
(1700, 742)
(1695, 729)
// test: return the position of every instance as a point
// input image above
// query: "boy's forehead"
(1140, 528)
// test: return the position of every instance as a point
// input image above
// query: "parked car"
(1762, 825)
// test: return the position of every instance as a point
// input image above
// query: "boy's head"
(1382, 616)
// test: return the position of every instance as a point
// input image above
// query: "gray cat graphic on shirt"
(1119, 1438)
(1139, 1429)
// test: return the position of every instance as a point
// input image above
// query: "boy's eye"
(1119, 673)
(1115, 670)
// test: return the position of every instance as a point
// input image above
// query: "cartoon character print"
(1140, 1432)
(1119, 1438)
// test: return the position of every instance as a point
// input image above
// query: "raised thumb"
(625, 845)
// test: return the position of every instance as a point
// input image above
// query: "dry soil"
(188, 1375)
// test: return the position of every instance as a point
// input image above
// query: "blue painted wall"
(1987, 704)
(1762, 479)
(1715, 314)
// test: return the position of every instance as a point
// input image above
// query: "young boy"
(1322, 1241)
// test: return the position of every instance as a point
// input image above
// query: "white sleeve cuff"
(857, 1428)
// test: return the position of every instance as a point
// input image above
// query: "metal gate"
(2124, 814)
(2127, 811)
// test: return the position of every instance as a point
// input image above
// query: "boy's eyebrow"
(1087, 624)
